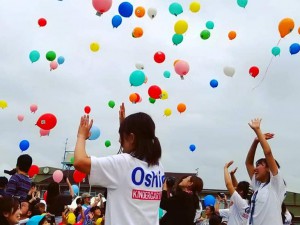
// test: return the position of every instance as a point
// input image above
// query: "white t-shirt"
(288, 218)
(133, 189)
(238, 211)
(268, 200)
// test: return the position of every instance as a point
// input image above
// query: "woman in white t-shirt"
(134, 178)
(239, 202)
(267, 182)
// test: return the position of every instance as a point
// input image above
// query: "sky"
(216, 119)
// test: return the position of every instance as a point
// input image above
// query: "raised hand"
(255, 123)
(233, 171)
(122, 113)
(84, 127)
(227, 165)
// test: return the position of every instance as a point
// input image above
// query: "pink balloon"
(181, 67)
(20, 118)
(53, 65)
(58, 176)
(102, 6)
(44, 132)
(33, 108)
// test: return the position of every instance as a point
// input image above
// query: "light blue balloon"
(160, 213)
(214, 83)
(275, 51)
(60, 60)
(125, 9)
(294, 48)
(34, 56)
(167, 74)
(24, 145)
(95, 133)
(175, 9)
(210, 25)
(75, 189)
(137, 78)
(116, 21)
(242, 3)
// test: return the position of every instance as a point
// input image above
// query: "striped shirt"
(18, 186)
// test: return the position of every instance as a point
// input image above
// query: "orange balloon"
(286, 26)
(137, 32)
(299, 30)
(181, 107)
(231, 35)
(133, 97)
(139, 11)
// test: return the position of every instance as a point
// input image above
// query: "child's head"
(243, 188)
(137, 137)
(24, 163)
(38, 220)
(3, 182)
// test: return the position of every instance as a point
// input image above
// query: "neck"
(22, 172)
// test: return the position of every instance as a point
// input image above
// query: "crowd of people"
(137, 189)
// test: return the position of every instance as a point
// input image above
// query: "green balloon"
(175, 9)
(177, 39)
(111, 104)
(72, 160)
(107, 143)
(210, 25)
(152, 100)
(51, 55)
(205, 34)
(34, 56)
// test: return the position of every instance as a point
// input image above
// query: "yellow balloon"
(195, 7)
(164, 95)
(94, 47)
(71, 218)
(168, 112)
(3, 104)
(180, 27)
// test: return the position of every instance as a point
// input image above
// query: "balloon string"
(267, 69)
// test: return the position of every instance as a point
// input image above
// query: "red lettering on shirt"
(146, 195)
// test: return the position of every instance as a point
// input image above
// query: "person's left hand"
(255, 123)
(227, 165)
(84, 127)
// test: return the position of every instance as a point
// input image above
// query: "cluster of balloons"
(34, 56)
(176, 8)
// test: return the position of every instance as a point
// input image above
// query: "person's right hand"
(255, 123)
(122, 113)
(84, 127)
(227, 165)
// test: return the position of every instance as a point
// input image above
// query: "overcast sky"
(216, 119)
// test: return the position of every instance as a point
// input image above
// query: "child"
(19, 184)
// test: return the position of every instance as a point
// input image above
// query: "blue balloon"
(125, 9)
(192, 147)
(137, 78)
(214, 83)
(167, 74)
(209, 200)
(116, 21)
(95, 133)
(294, 48)
(75, 189)
(24, 145)
(60, 60)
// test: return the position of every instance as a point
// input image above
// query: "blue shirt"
(18, 186)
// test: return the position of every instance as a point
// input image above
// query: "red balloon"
(154, 92)
(78, 176)
(254, 71)
(47, 121)
(159, 57)
(45, 195)
(42, 22)
(87, 109)
(33, 170)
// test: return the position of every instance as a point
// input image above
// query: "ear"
(131, 138)
(6, 214)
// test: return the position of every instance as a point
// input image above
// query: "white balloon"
(152, 12)
(139, 66)
(229, 71)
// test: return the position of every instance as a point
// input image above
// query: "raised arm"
(233, 178)
(250, 158)
(122, 113)
(227, 178)
(262, 138)
(70, 187)
(82, 162)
